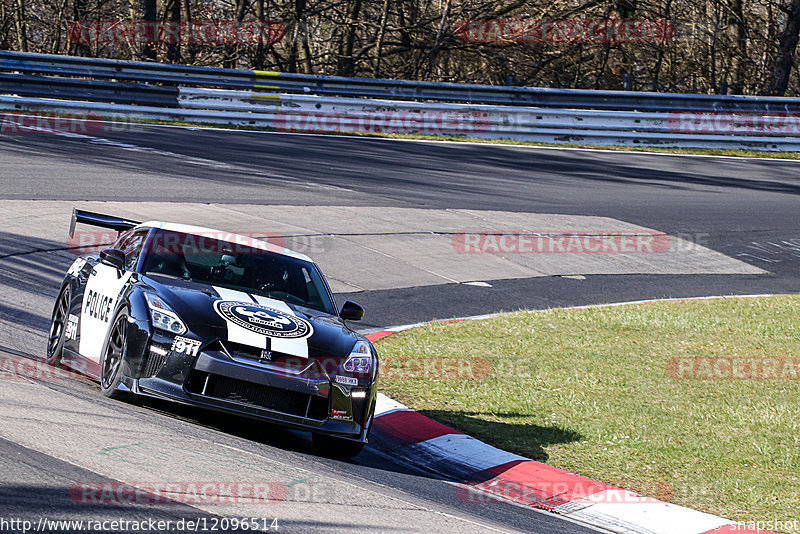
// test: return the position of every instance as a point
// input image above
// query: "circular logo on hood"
(263, 319)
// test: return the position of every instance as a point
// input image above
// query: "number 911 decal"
(184, 345)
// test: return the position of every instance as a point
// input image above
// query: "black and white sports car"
(219, 321)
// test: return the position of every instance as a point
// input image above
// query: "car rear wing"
(98, 219)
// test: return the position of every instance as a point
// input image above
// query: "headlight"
(164, 317)
(360, 359)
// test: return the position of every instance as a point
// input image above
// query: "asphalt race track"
(58, 432)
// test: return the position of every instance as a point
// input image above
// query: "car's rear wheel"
(334, 447)
(113, 363)
(58, 324)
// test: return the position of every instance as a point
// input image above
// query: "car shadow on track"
(265, 433)
(526, 439)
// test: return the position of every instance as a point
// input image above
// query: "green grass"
(588, 390)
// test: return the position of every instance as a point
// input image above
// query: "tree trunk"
(173, 17)
(55, 47)
(191, 48)
(376, 71)
(22, 31)
(307, 67)
(738, 34)
(437, 43)
(232, 50)
(298, 22)
(4, 27)
(346, 64)
(147, 50)
(261, 54)
(787, 43)
(78, 15)
(292, 59)
(662, 47)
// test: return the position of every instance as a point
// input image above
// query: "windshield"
(217, 262)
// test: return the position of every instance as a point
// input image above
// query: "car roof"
(225, 236)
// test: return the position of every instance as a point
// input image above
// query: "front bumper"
(303, 399)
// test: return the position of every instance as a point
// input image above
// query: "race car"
(219, 321)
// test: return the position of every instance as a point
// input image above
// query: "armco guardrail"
(185, 75)
(154, 91)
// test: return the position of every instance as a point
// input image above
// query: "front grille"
(279, 360)
(260, 396)
(280, 400)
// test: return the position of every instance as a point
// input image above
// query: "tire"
(334, 447)
(113, 363)
(58, 322)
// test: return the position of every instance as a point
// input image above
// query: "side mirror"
(113, 257)
(351, 311)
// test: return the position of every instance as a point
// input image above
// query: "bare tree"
(737, 30)
(346, 62)
(172, 16)
(787, 44)
(22, 28)
(147, 50)
(376, 70)
(191, 49)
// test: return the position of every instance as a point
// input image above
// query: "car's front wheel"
(114, 356)
(334, 447)
(58, 324)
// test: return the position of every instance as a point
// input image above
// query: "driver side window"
(131, 245)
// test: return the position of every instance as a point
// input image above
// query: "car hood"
(212, 313)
